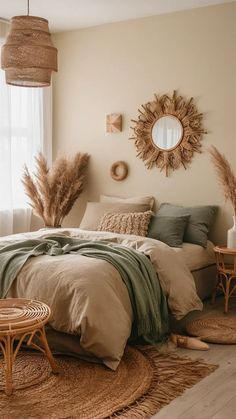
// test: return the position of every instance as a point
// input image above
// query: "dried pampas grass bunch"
(53, 192)
(225, 174)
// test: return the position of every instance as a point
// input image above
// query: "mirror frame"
(189, 117)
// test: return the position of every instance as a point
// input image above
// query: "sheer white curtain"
(25, 129)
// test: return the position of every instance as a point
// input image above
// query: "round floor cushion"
(214, 329)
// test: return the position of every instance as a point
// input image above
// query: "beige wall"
(116, 68)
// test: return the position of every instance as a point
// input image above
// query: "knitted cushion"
(126, 223)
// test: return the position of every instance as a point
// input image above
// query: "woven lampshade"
(28, 56)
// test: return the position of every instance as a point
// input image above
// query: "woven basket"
(214, 329)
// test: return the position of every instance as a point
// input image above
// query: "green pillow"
(200, 221)
(169, 230)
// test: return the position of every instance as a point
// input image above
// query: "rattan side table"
(226, 274)
(22, 320)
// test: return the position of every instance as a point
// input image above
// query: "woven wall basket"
(28, 56)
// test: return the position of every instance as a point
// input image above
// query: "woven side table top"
(21, 315)
(22, 320)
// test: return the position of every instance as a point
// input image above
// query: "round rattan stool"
(226, 274)
(22, 320)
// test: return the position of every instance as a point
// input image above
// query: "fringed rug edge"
(172, 376)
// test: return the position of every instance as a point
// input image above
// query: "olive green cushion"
(169, 230)
(200, 220)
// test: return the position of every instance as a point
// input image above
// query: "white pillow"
(145, 200)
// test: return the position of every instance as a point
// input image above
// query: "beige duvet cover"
(88, 297)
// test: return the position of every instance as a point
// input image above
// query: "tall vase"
(231, 235)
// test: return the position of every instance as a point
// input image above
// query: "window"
(25, 129)
(21, 135)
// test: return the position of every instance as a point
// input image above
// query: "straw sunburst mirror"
(168, 132)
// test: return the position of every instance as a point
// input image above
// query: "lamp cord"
(28, 7)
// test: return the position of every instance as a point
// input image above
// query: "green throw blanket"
(147, 299)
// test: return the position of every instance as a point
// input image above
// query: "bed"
(201, 262)
(95, 321)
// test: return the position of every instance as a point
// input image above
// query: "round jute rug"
(214, 329)
(145, 381)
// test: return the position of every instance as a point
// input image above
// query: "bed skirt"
(205, 280)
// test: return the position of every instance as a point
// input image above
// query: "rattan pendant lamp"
(28, 56)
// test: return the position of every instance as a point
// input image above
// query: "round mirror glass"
(167, 132)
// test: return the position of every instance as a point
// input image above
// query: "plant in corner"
(227, 180)
(53, 192)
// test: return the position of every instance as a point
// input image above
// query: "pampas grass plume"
(225, 175)
(53, 192)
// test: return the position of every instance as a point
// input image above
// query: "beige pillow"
(147, 200)
(95, 210)
(126, 223)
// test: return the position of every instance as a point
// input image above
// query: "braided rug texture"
(145, 381)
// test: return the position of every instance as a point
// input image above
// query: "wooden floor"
(215, 396)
